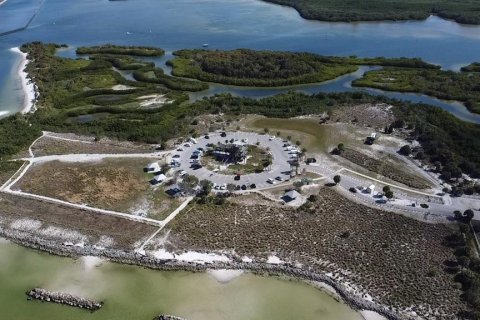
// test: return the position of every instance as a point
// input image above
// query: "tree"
(165, 168)
(386, 189)
(266, 130)
(188, 183)
(468, 216)
(389, 194)
(266, 163)
(206, 185)
(278, 133)
(406, 150)
(298, 142)
(231, 187)
(337, 179)
(341, 147)
(289, 137)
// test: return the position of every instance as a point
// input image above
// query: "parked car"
(279, 178)
(353, 190)
(187, 145)
(237, 177)
(244, 187)
(182, 173)
(180, 149)
(207, 136)
(176, 156)
(271, 181)
(253, 186)
(223, 134)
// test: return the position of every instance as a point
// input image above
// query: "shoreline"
(28, 87)
(2, 2)
(367, 309)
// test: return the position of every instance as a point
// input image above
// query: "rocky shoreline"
(134, 258)
(63, 298)
(167, 317)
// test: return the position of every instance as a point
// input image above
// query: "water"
(176, 24)
(136, 293)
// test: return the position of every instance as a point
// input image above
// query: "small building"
(290, 195)
(153, 167)
(370, 189)
(159, 178)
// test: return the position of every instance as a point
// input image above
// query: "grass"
(312, 135)
(8, 169)
(113, 184)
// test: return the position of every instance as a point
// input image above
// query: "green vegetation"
(448, 85)
(16, 134)
(466, 267)
(445, 139)
(473, 67)
(246, 67)
(374, 10)
(77, 96)
(122, 50)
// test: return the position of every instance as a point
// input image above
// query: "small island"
(467, 12)
(245, 67)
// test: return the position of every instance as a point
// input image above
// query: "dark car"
(353, 190)
(244, 187)
(237, 177)
(196, 166)
(207, 136)
(223, 134)
(253, 186)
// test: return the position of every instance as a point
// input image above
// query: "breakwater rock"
(64, 298)
(167, 317)
(133, 258)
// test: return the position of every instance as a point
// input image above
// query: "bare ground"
(62, 223)
(399, 261)
(112, 184)
(51, 146)
(387, 167)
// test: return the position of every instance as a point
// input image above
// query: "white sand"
(274, 260)
(224, 275)
(2, 113)
(371, 315)
(27, 86)
(162, 254)
(201, 258)
(247, 259)
(26, 224)
(90, 262)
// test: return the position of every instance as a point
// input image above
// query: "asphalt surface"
(279, 167)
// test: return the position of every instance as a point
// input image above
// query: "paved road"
(279, 166)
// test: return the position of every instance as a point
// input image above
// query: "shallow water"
(136, 293)
(176, 24)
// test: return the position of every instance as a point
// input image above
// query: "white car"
(182, 173)
(271, 181)
(187, 145)
(223, 187)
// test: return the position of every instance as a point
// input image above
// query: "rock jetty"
(64, 298)
(167, 317)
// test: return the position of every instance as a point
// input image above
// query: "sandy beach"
(27, 86)
(2, 2)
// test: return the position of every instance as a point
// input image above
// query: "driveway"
(279, 166)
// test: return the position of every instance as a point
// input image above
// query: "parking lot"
(279, 168)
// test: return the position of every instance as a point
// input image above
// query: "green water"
(136, 293)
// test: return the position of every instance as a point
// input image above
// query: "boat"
(205, 45)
